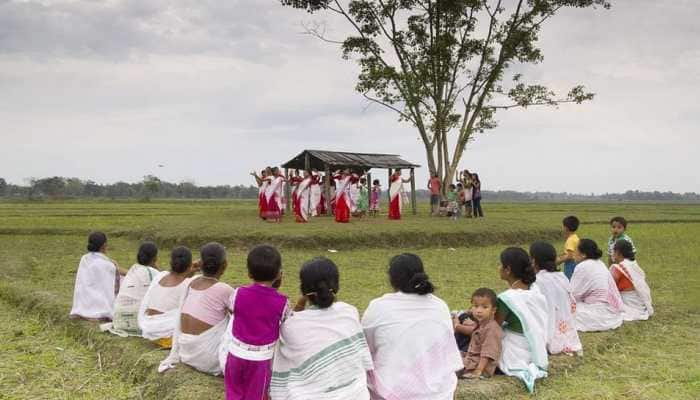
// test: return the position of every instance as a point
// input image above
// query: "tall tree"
(446, 66)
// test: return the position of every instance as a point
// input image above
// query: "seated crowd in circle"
(322, 348)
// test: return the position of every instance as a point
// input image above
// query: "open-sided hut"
(330, 161)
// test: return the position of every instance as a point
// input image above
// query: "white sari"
(395, 191)
(304, 198)
(598, 302)
(636, 303)
(342, 191)
(315, 194)
(132, 290)
(413, 347)
(524, 355)
(322, 354)
(561, 305)
(158, 326)
(275, 189)
(204, 352)
(96, 284)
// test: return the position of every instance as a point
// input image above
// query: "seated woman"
(410, 336)
(631, 282)
(132, 290)
(322, 352)
(598, 302)
(203, 317)
(554, 285)
(524, 310)
(160, 307)
(96, 282)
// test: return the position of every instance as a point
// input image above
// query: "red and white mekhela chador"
(274, 198)
(343, 200)
(395, 200)
(294, 183)
(262, 202)
(315, 194)
(302, 207)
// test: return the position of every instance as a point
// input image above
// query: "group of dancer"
(349, 194)
(406, 345)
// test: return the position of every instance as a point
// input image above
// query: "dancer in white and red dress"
(274, 197)
(294, 180)
(395, 194)
(315, 193)
(263, 182)
(302, 208)
(343, 201)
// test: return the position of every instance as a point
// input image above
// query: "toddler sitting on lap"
(481, 358)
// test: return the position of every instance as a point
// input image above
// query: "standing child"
(362, 198)
(452, 205)
(484, 350)
(570, 226)
(374, 198)
(252, 334)
(618, 227)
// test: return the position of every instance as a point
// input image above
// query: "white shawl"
(525, 355)
(322, 354)
(637, 303)
(203, 352)
(413, 347)
(128, 302)
(95, 287)
(561, 305)
(598, 302)
(159, 326)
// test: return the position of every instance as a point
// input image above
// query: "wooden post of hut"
(413, 191)
(388, 187)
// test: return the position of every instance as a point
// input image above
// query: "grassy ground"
(40, 244)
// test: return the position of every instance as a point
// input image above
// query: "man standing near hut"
(434, 185)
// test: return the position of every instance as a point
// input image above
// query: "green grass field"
(40, 244)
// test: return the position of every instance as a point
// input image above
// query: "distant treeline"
(152, 187)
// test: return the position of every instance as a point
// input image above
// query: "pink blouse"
(209, 305)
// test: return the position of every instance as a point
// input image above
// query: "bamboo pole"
(413, 191)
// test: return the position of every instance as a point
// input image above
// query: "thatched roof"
(337, 159)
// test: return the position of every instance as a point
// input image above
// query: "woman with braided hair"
(204, 315)
(322, 351)
(410, 335)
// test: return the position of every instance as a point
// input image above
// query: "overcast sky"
(211, 89)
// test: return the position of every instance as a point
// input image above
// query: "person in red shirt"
(434, 185)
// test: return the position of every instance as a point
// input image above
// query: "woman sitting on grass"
(561, 327)
(322, 352)
(410, 336)
(133, 289)
(631, 282)
(96, 282)
(598, 302)
(204, 316)
(160, 307)
(523, 308)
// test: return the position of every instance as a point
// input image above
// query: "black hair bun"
(420, 284)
